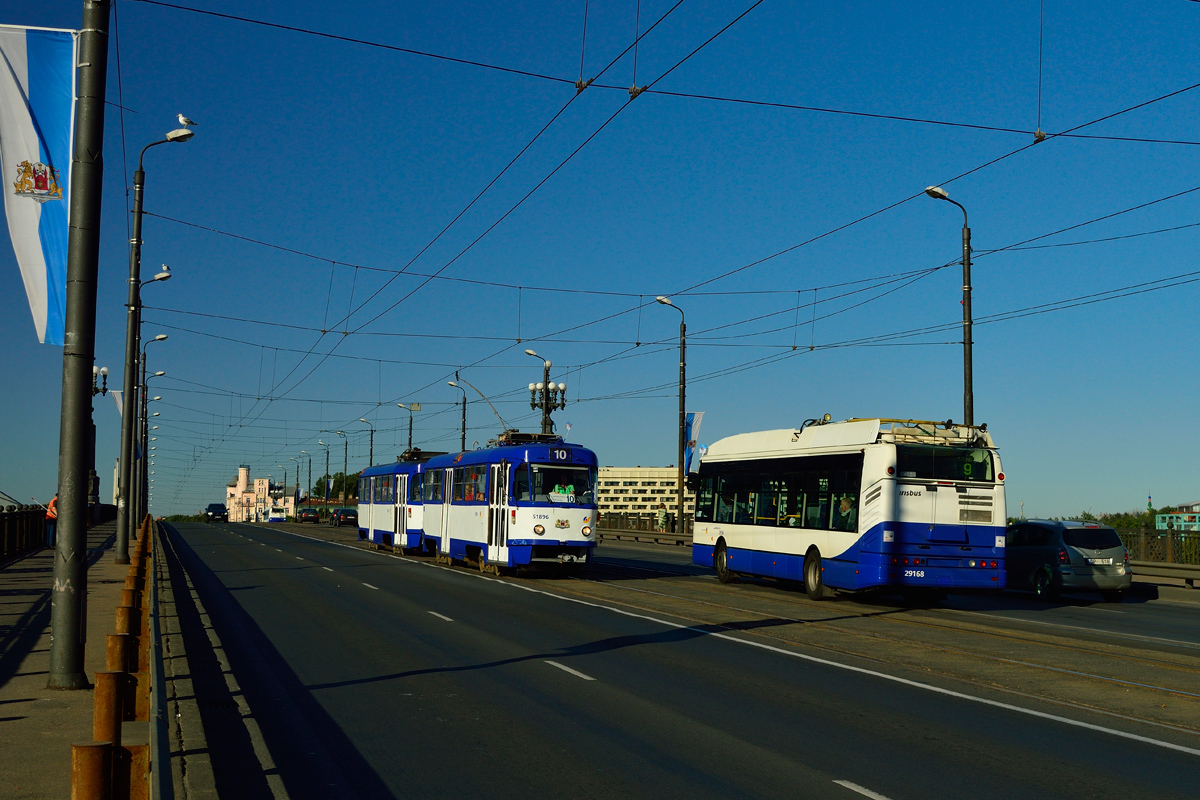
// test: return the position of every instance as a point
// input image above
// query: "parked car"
(1050, 556)
(344, 516)
(216, 512)
(308, 515)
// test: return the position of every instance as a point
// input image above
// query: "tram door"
(497, 551)
(400, 517)
(370, 500)
(447, 493)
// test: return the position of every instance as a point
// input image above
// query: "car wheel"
(721, 563)
(1043, 584)
(1113, 595)
(814, 585)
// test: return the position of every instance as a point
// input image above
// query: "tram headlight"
(587, 530)
(539, 530)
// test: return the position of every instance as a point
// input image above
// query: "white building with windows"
(249, 500)
(640, 489)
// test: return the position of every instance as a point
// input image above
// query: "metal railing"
(22, 530)
(1166, 547)
(641, 527)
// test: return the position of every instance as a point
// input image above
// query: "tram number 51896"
(560, 454)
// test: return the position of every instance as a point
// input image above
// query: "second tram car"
(527, 500)
(860, 504)
(390, 502)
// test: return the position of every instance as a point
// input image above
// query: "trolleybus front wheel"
(721, 563)
(814, 586)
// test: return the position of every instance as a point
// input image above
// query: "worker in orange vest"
(51, 521)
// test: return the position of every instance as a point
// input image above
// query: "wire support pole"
(68, 603)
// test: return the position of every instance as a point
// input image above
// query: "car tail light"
(1000, 475)
(1127, 558)
(1063, 558)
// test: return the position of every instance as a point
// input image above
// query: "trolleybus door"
(497, 549)
(447, 493)
(400, 537)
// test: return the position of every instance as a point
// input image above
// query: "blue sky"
(358, 156)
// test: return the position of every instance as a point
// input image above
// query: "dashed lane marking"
(865, 792)
(369, 586)
(574, 672)
(441, 616)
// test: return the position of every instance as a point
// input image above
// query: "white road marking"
(441, 616)
(865, 792)
(369, 586)
(298, 558)
(327, 569)
(574, 672)
(1117, 634)
(1106, 610)
(824, 661)
(277, 550)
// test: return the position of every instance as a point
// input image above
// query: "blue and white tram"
(860, 504)
(531, 499)
(389, 504)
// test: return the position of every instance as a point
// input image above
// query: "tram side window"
(521, 482)
(477, 492)
(433, 486)
(457, 492)
(414, 488)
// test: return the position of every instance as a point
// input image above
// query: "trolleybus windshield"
(944, 463)
(552, 483)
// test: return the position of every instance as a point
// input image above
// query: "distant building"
(640, 490)
(249, 501)
(1189, 508)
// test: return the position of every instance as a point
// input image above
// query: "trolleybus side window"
(704, 500)
(943, 463)
(793, 493)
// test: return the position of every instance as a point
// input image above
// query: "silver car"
(1050, 556)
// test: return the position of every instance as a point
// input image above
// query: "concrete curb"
(191, 767)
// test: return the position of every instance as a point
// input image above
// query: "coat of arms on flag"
(38, 182)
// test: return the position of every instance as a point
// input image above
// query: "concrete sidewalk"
(38, 725)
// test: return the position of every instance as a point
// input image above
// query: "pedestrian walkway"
(38, 725)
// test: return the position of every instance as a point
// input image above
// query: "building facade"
(634, 490)
(250, 500)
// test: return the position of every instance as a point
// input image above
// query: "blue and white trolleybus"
(859, 504)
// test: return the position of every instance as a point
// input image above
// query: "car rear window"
(1092, 538)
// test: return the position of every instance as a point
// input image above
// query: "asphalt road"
(372, 675)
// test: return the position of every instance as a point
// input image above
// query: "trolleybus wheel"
(721, 563)
(814, 586)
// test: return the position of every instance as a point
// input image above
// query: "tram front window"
(555, 484)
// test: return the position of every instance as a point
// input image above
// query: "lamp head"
(666, 301)
(531, 353)
(562, 387)
(165, 275)
(452, 383)
(95, 371)
(937, 193)
(360, 419)
(159, 374)
(155, 414)
(180, 135)
(339, 433)
(156, 397)
(104, 371)
(321, 443)
(532, 386)
(162, 337)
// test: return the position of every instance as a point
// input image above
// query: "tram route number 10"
(560, 454)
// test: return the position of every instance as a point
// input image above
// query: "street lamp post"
(345, 466)
(463, 445)
(938, 193)
(410, 408)
(133, 321)
(546, 395)
(666, 301)
(99, 386)
(136, 415)
(307, 491)
(371, 450)
(326, 472)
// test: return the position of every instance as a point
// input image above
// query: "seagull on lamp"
(184, 121)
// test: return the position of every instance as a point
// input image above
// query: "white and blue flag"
(37, 113)
(691, 433)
